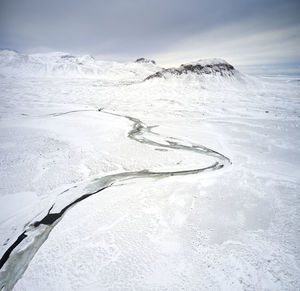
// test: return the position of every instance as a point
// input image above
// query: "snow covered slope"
(66, 65)
(189, 182)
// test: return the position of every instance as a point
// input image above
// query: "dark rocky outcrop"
(145, 61)
(68, 57)
(210, 66)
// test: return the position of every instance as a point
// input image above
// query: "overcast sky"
(256, 35)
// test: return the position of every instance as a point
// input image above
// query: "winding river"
(17, 257)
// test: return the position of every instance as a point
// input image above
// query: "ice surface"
(232, 229)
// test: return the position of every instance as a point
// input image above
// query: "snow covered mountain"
(61, 64)
(64, 65)
(216, 67)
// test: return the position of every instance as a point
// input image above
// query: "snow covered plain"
(202, 175)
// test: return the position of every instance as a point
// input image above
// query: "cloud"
(245, 32)
(239, 45)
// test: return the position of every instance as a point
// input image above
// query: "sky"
(258, 36)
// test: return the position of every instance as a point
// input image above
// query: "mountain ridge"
(61, 64)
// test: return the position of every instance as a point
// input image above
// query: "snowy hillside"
(66, 65)
(186, 181)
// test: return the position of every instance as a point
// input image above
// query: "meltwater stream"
(17, 257)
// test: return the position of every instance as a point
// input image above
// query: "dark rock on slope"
(145, 61)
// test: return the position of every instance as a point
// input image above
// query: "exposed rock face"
(145, 61)
(209, 66)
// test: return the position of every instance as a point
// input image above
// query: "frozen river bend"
(142, 194)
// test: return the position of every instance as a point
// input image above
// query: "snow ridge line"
(15, 261)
